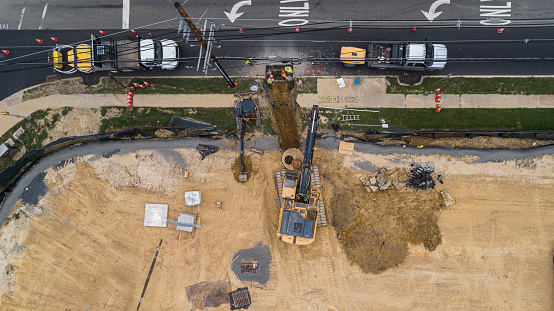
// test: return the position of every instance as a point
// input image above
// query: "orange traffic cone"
(438, 98)
(54, 39)
(297, 29)
(414, 29)
(146, 83)
(136, 84)
(500, 30)
(350, 30)
(6, 52)
(39, 41)
(130, 93)
(438, 90)
(240, 30)
(102, 32)
(133, 31)
(130, 104)
(141, 86)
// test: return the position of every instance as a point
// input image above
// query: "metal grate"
(338, 99)
(346, 117)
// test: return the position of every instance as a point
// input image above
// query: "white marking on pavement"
(21, 18)
(494, 12)
(294, 11)
(43, 15)
(432, 14)
(234, 11)
(126, 12)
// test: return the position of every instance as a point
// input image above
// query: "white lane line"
(21, 18)
(126, 9)
(43, 15)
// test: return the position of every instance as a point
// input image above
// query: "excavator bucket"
(243, 177)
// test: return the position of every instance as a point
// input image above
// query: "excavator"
(302, 209)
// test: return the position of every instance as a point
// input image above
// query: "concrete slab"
(155, 215)
(186, 219)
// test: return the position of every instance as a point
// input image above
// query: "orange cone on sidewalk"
(439, 108)
(130, 93)
(438, 98)
(102, 32)
(39, 41)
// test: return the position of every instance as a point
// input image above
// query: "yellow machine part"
(352, 55)
(71, 58)
(57, 59)
(84, 57)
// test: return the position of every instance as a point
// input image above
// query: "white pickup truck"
(398, 55)
(115, 55)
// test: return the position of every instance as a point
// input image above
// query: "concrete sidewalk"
(370, 93)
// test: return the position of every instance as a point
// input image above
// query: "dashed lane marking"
(21, 18)
(43, 15)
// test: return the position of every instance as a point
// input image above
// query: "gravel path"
(31, 187)
(259, 253)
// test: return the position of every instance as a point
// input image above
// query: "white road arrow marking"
(234, 15)
(431, 15)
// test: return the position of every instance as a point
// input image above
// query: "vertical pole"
(201, 40)
(209, 51)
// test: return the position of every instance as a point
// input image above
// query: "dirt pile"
(374, 228)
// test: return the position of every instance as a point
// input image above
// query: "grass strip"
(499, 85)
(447, 119)
(194, 85)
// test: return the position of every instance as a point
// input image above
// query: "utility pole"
(204, 45)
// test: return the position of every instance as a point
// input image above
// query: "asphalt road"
(124, 14)
(529, 48)
(32, 187)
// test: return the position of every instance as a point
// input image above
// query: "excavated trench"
(285, 111)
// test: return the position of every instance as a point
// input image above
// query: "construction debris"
(206, 150)
(420, 176)
(384, 178)
(448, 200)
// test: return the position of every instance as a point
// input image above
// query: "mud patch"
(237, 167)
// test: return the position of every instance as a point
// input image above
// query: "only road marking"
(126, 12)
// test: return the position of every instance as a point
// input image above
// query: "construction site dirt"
(84, 246)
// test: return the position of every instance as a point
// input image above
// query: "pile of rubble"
(384, 178)
(420, 177)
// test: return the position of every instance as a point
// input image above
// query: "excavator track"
(315, 180)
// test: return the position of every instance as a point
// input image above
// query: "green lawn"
(449, 119)
(509, 86)
(192, 85)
